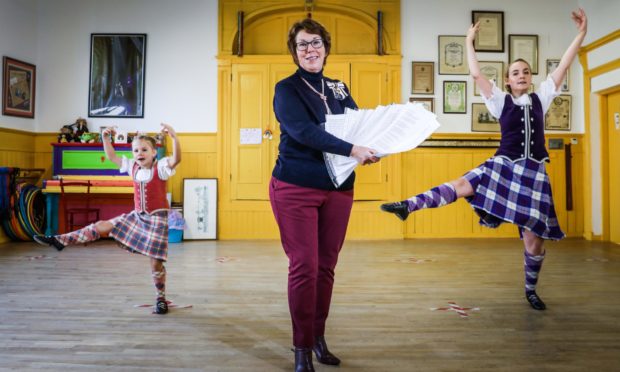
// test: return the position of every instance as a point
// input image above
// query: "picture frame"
(200, 208)
(117, 73)
(18, 88)
(454, 97)
(524, 47)
(482, 120)
(490, 37)
(452, 55)
(492, 70)
(558, 116)
(427, 102)
(552, 64)
(422, 78)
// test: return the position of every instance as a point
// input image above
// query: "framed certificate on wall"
(452, 55)
(524, 47)
(422, 77)
(490, 37)
(558, 115)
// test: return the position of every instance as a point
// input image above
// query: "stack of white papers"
(387, 129)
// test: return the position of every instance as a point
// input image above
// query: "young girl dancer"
(513, 185)
(145, 229)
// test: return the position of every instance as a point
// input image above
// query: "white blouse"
(143, 175)
(546, 93)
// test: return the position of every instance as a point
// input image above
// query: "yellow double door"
(254, 132)
(613, 122)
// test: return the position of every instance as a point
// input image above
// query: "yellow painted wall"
(421, 169)
(29, 150)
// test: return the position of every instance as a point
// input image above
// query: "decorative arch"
(265, 30)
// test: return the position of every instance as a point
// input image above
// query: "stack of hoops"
(22, 206)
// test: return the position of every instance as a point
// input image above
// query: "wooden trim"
(600, 42)
(588, 74)
(604, 156)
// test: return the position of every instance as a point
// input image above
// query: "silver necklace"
(322, 94)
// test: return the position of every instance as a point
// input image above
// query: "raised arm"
(175, 159)
(474, 69)
(108, 148)
(579, 17)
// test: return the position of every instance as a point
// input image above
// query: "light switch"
(617, 120)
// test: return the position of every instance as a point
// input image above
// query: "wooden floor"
(74, 310)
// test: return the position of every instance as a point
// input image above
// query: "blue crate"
(175, 236)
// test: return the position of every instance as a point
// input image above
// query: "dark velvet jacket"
(301, 113)
(523, 131)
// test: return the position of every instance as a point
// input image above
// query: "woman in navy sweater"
(311, 212)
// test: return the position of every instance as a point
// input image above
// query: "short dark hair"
(312, 27)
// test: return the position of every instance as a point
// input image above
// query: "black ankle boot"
(49, 240)
(400, 209)
(303, 360)
(161, 306)
(535, 301)
(323, 354)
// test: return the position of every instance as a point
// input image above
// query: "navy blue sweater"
(301, 112)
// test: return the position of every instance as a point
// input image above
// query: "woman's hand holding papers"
(364, 155)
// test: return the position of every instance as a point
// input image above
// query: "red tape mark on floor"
(597, 259)
(413, 260)
(40, 257)
(452, 306)
(170, 306)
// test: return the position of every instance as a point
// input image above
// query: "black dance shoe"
(161, 307)
(400, 209)
(48, 240)
(303, 360)
(323, 355)
(535, 301)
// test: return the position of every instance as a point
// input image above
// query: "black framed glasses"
(303, 46)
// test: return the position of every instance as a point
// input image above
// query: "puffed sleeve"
(495, 103)
(547, 92)
(126, 165)
(163, 169)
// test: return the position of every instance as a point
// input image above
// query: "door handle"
(268, 134)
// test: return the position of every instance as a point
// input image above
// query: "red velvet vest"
(151, 195)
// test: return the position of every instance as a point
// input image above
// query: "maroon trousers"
(313, 224)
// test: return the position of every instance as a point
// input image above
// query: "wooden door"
(277, 72)
(250, 162)
(369, 88)
(613, 120)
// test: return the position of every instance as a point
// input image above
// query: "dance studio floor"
(413, 305)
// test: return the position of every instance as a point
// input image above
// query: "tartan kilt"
(143, 233)
(516, 192)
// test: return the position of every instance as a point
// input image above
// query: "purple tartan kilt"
(143, 233)
(518, 193)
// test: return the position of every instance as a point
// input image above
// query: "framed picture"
(492, 71)
(454, 97)
(524, 47)
(117, 66)
(200, 208)
(552, 64)
(490, 36)
(427, 102)
(18, 88)
(422, 77)
(558, 115)
(482, 120)
(452, 55)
